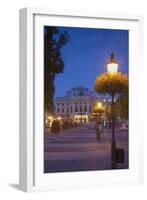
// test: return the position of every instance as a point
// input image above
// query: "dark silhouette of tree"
(54, 40)
(56, 127)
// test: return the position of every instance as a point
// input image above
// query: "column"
(56, 108)
(60, 108)
(88, 108)
(73, 107)
(78, 107)
(83, 107)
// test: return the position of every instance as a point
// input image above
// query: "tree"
(56, 127)
(113, 84)
(122, 106)
(54, 40)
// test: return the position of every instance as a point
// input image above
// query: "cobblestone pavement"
(78, 150)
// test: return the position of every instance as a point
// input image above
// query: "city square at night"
(85, 99)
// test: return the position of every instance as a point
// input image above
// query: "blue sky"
(86, 55)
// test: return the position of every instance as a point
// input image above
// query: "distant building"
(77, 104)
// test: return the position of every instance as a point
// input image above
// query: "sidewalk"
(78, 149)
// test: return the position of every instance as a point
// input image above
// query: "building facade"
(77, 104)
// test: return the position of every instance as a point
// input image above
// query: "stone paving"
(78, 150)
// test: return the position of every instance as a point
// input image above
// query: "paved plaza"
(78, 149)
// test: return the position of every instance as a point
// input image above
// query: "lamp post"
(98, 110)
(112, 67)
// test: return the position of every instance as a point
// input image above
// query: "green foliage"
(112, 84)
(55, 128)
(108, 112)
(54, 41)
(121, 106)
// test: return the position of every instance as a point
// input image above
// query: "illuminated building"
(77, 104)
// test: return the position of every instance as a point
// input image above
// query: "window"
(90, 108)
(76, 108)
(85, 108)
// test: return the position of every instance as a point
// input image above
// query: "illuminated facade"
(77, 104)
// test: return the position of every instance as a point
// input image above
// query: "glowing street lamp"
(59, 118)
(98, 110)
(112, 65)
(99, 105)
(50, 118)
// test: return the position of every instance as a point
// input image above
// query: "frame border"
(26, 84)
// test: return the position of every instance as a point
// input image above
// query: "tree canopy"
(115, 84)
(122, 105)
(111, 84)
(54, 41)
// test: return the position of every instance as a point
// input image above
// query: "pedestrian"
(98, 134)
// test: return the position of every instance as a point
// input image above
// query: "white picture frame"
(31, 143)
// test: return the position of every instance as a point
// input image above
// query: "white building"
(77, 104)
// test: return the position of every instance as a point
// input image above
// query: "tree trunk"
(113, 143)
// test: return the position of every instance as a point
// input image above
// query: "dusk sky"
(86, 55)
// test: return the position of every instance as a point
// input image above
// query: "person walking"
(98, 133)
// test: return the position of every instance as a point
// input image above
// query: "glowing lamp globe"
(112, 66)
(99, 105)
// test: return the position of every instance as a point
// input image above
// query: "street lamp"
(59, 118)
(99, 105)
(97, 112)
(112, 67)
(50, 120)
(99, 109)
